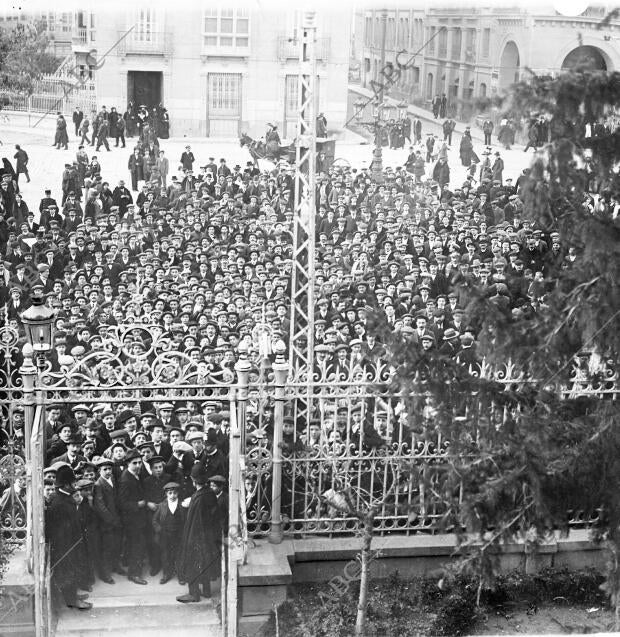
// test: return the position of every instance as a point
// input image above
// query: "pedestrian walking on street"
(84, 127)
(443, 106)
(163, 165)
(61, 138)
(448, 128)
(78, 116)
(102, 135)
(120, 131)
(498, 169)
(21, 162)
(430, 145)
(417, 129)
(187, 159)
(487, 129)
(135, 169)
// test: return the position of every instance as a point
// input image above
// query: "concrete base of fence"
(270, 568)
(17, 598)
(34, 121)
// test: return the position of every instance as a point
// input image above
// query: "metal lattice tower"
(301, 344)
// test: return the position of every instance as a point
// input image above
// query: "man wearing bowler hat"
(199, 558)
(65, 538)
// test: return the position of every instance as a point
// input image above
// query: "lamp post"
(376, 127)
(38, 320)
(38, 324)
(280, 368)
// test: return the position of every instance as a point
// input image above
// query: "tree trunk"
(362, 602)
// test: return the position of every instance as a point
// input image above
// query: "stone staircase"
(132, 610)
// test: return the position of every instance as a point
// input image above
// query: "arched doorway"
(482, 90)
(509, 66)
(588, 57)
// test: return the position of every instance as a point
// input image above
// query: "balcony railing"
(79, 35)
(142, 43)
(288, 49)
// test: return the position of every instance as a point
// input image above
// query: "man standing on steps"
(199, 558)
(65, 538)
(132, 503)
(105, 505)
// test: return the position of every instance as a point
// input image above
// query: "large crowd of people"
(202, 258)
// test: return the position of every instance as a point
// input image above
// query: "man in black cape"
(199, 557)
(65, 539)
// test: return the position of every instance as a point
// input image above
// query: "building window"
(291, 96)
(226, 28)
(429, 86)
(486, 42)
(224, 93)
(145, 26)
(368, 34)
(457, 36)
(483, 90)
(291, 92)
(470, 46)
(443, 43)
(431, 40)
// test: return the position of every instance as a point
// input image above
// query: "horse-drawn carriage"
(259, 150)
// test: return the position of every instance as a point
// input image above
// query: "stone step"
(132, 610)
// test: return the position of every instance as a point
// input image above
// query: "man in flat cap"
(105, 504)
(168, 524)
(132, 504)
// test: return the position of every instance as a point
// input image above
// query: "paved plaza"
(47, 164)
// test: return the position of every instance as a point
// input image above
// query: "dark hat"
(132, 454)
(199, 474)
(211, 440)
(169, 486)
(155, 459)
(65, 476)
(218, 478)
(125, 415)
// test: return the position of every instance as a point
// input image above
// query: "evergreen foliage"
(24, 58)
(522, 460)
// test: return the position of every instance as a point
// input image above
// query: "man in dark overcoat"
(65, 538)
(132, 504)
(199, 558)
(106, 509)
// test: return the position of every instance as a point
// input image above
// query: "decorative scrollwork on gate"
(133, 357)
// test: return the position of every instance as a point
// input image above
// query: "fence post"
(280, 368)
(231, 563)
(242, 367)
(28, 374)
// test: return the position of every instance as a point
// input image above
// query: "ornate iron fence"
(360, 448)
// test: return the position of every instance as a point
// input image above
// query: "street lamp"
(38, 320)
